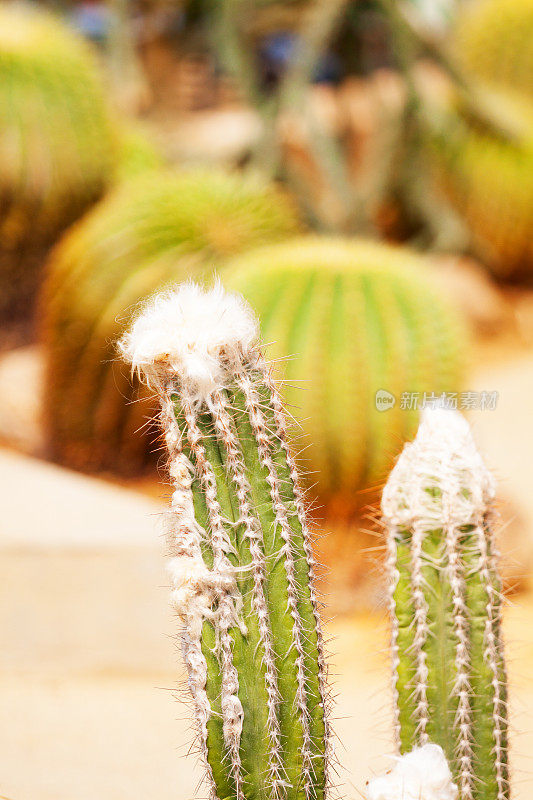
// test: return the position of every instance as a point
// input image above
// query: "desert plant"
(156, 229)
(56, 142)
(137, 153)
(445, 604)
(346, 319)
(241, 566)
(489, 180)
(493, 41)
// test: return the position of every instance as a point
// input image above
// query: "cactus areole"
(241, 566)
(449, 679)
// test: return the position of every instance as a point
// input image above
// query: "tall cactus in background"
(345, 320)
(158, 228)
(449, 671)
(241, 566)
(57, 142)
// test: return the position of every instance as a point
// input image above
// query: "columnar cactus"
(158, 228)
(347, 319)
(445, 602)
(241, 566)
(56, 142)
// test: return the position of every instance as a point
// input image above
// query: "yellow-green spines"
(489, 180)
(56, 139)
(493, 41)
(348, 319)
(158, 228)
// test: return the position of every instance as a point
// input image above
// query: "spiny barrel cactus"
(241, 566)
(156, 229)
(137, 154)
(445, 602)
(348, 319)
(56, 142)
(489, 180)
(493, 41)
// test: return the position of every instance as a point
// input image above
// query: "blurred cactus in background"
(56, 142)
(156, 229)
(241, 565)
(489, 180)
(136, 154)
(349, 319)
(493, 42)
(449, 683)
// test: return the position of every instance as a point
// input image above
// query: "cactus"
(241, 565)
(136, 154)
(445, 604)
(492, 41)
(56, 142)
(489, 180)
(156, 229)
(348, 318)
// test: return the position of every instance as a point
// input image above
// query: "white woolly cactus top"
(197, 333)
(422, 774)
(440, 472)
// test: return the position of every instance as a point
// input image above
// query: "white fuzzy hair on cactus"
(422, 774)
(194, 332)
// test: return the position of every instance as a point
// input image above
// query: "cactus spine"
(241, 566)
(445, 603)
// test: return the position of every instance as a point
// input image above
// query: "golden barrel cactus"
(351, 322)
(56, 142)
(156, 229)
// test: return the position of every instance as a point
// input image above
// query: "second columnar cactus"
(241, 566)
(449, 683)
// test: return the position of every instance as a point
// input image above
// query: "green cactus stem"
(241, 566)
(449, 680)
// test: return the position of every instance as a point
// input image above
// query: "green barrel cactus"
(56, 142)
(351, 322)
(137, 154)
(241, 566)
(449, 682)
(157, 228)
(492, 41)
(489, 181)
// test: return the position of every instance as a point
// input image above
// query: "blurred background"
(362, 171)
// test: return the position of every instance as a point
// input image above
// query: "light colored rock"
(21, 391)
(46, 506)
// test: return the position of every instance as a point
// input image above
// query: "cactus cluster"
(154, 230)
(493, 41)
(345, 319)
(56, 141)
(242, 576)
(241, 566)
(449, 682)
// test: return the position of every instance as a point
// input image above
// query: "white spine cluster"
(422, 774)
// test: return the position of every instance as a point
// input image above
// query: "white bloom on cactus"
(193, 331)
(422, 774)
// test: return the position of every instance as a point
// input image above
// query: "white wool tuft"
(193, 332)
(422, 774)
(443, 456)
